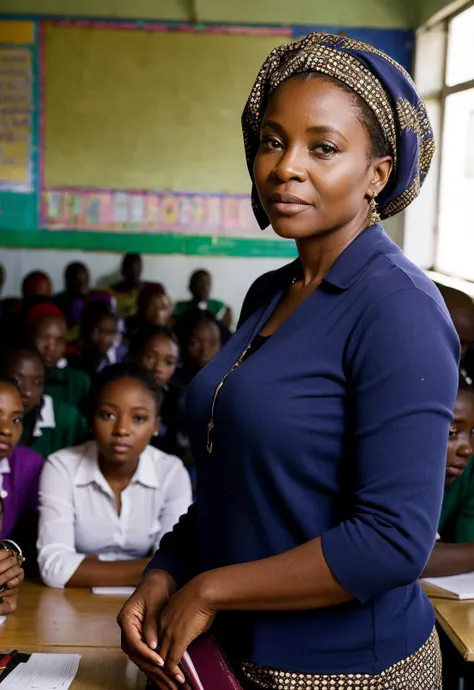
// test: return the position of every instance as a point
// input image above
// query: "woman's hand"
(188, 614)
(11, 574)
(138, 621)
(11, 577)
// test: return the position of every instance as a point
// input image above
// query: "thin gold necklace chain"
(211, 425)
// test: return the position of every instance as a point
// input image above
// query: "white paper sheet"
(2, 619)
(43, 672)
(461, 586)
(114, 591)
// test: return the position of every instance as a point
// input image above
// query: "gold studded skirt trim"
(419, 671)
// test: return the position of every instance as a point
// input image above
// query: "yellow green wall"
(373, 13)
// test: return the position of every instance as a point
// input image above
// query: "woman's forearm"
(450, 559)
(298, 579)
(93, 572)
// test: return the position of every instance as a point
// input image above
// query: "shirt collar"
(5, 466)
(358, 256)
(46, 418)
(89, 472)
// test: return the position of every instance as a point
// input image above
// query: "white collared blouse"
(78, 514)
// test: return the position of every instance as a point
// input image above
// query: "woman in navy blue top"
(320, 430)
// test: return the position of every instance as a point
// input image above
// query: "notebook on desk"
(460, 587)
(205, 667)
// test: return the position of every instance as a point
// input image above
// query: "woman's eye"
(170, 362)
(271, 143)
(326, 149)
(18, 420)
(139, 419)
(453, 433)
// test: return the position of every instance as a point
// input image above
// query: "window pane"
(455, 251)
(460, 65)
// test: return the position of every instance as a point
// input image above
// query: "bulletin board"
(18, 125)
(134, 136)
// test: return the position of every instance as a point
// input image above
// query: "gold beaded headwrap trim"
(381, 83)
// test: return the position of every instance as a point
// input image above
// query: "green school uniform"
(59, 426)
(215, 306)
(65, 384)
(456, 524)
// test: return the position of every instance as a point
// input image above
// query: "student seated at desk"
(48, 331)
(47, 425)
(453, 553)
(200, 286)
(100, 344)
(126, 291)
(157, 349)
(200, 337)
(73, 299)
(154, 309)
(105, 505)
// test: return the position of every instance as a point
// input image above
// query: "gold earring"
(373, 218)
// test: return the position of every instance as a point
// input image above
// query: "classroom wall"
(373, 13)
(428, 8)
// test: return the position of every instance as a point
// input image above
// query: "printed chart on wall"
(17, 127)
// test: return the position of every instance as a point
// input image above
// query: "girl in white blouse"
(105, 505)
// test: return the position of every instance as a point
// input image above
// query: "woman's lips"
(288, 204)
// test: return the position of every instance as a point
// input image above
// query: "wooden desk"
(56, 617)
(99, 669)
(457, 620)
(73, 622)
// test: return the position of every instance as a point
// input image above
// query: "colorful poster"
(16, 114)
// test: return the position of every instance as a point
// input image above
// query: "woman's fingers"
(133, 644)
(8, 605)
(14, 571)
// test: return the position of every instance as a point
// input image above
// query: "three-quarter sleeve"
(402, 371)
(177, 552)
(57, 556)
(177, 499)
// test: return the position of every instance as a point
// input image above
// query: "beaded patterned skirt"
(420, 671)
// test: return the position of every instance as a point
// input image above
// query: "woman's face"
(50, 339)
(461, 432)
(313, 171)
(124, 420)
(11, 418)
(27, 371)
(159, 355)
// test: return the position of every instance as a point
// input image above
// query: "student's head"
(25, 366)
(200, 285)
(77, 279)
(11, 416)
(99, 328)
(204, 340)
(156, 349)
(125, 407)
(154, 306)
(461, 309)
(48, 331)
(132, 269)
(36, 284)
(461, 432)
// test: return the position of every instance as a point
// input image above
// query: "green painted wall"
(428, 8)
(373, 13)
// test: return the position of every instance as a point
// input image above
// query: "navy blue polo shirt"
(336, 427)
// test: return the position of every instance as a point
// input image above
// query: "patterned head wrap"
(380, 81)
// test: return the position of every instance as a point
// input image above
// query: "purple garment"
(21, 486)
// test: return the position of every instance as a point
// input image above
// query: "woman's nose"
(291, 166)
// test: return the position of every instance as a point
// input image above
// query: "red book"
(205, 666)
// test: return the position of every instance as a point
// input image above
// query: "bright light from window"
(460, 60)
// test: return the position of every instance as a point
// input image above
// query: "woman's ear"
(381, 171)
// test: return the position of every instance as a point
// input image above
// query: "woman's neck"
(122, 472)
(318, 253)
